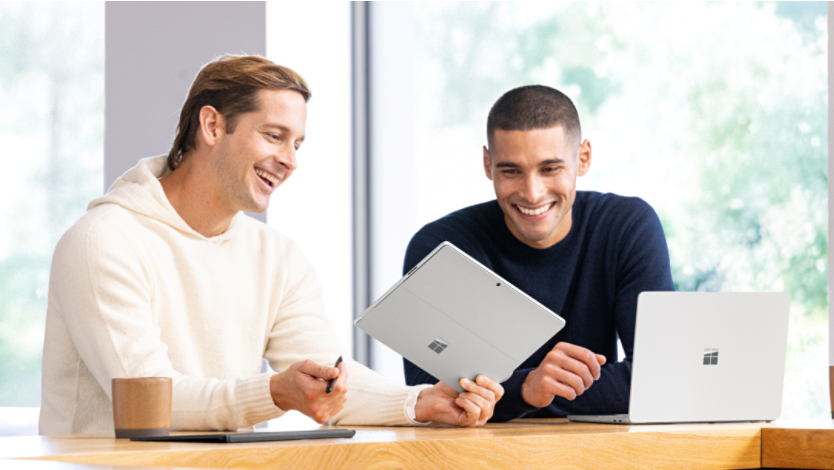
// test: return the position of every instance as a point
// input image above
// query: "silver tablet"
(454, 318)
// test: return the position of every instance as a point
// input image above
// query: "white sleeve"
(103, 291)
(302, 331)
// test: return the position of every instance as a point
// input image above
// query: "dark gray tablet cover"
(253, 436)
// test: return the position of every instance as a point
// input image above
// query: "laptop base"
(624, 419)
(601, 419)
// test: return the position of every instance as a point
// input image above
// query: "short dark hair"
(231, 85)
(534, 107)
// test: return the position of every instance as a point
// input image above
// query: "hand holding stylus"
(332, 381)
(313, 389)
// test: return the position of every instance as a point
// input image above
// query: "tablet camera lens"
(498, 284)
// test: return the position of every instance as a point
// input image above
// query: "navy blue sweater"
(615, 249)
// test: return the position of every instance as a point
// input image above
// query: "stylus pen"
(331, 381)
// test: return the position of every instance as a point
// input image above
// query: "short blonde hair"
(230, 84)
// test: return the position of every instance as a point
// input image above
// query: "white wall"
(153, 51)
(314, 206)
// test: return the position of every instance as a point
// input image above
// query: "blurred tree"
(715, 113)
(51, 139)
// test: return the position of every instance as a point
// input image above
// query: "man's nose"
(533, 189)
(286, 157)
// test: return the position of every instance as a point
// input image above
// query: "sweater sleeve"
(102, 289)
(302, 331)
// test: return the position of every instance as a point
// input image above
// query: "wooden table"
(533, 444)
(798, 444)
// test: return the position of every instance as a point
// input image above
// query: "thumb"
(318, 371)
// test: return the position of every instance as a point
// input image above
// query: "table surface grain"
(531, 443)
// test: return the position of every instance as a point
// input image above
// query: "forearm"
(373, 399)
(201, 404)
(608, 395)
(511, 405)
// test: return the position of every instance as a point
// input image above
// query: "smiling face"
(534, 174)
(250, 163)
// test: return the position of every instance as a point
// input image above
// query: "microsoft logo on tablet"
(711, 356)
(438, 345)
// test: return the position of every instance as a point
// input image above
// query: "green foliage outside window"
(715, 113)
(51, 143)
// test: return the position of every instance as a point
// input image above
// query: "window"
(51, 128)
(714, 113)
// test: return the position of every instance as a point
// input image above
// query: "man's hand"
(567, 371)
(443, 404)
(302, 387)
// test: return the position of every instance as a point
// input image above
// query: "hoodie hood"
(139, 190)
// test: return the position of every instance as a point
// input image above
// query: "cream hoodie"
(135, 292)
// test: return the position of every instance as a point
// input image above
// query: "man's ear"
(584, 157)
(487, 164)
(212, 125)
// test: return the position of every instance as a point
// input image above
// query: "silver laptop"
(454, 318)
(706, 357)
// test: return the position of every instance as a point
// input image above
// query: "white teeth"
(540, 210)
(267, 176)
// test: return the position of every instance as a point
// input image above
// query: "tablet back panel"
(709, 356)
(454, 318)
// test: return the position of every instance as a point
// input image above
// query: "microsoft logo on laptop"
(711, 356)
(438, 345)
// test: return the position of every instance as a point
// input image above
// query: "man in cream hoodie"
(165, 276)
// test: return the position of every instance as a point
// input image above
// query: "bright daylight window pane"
(51, 142)
(714, 113)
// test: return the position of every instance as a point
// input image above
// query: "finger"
(557, 388)
(580, 369)
(471, 412)
(583, 355)
(566, 377)
(586, 357)
(340, 385)
(601, 359)
(318, 371)
(472, 387)
(335, 406)
(485, 405)
(496, 388)
(482, 397)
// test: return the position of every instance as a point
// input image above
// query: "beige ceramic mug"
(142, 406)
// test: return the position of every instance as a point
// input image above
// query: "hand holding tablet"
(474, 407)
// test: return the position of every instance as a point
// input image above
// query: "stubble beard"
(235, 192)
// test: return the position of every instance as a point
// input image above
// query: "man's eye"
(551, 169)
(275, 136)
(509, 172)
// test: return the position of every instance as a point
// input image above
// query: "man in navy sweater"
(585, 255)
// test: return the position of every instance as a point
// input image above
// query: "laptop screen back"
(702, 356)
